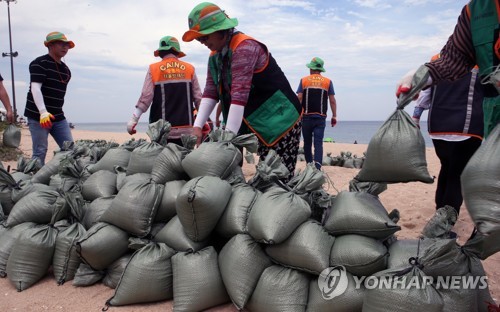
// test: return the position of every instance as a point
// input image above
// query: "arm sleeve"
(206, 107)
(235, 117)
(423, 103)
(147, 93)
(36, 90)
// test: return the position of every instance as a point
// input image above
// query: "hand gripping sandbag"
(200, 204)
(146, 278)
(242, 261)
(280, 289)
(307, 249)
(12, 136)
(481, 185)
(197, 281)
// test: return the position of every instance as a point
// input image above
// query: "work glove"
(46, 120)
(132, 123)
(333, 121)
(411, 84)
(416, 121)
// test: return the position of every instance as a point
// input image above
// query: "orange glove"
(46, 120)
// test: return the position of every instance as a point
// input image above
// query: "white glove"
(404, 84)
(132, 123)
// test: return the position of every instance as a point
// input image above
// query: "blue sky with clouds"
(367, 46)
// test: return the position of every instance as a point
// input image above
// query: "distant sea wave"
(344, 132)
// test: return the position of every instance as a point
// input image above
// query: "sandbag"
(200, 204)
(168, 164)
(404, 299)
(94, 210)
(350, 299)
(66, 260)
(100, 184)
(197, 281)
(166, 209)
(360, 255)
(26, 187)
(174, 236)
(50, 168)
(36, 207)
(115, 271)
(8, 238)
(396, 153)
(307, 249)
(275, 215)
(373, 188)
(134, 207)
(216, 159)
(147, 277)
(280, 289)
(102, 245)
(403, 250)
(241, 262)
(86, 276)
(112, 158)
(12, 136)
(234, 219)
(31, 256)
(480, 187)
(359, 213)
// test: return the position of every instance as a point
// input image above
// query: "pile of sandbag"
(157, 221)
(344, 159)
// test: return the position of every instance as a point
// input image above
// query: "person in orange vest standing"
(314, 92)
(171, 91)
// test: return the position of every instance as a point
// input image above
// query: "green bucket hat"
(167, 43)
(205, 19)
(316, 64)
(57, 36)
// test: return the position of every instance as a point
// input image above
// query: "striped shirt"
(458, 56)
(54, 78)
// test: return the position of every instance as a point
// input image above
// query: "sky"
(367, 46)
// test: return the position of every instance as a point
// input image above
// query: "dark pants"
(453, 157)
(313, 130)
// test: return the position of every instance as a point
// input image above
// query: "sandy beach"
(414, 200)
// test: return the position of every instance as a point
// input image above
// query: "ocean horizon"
(350, 132)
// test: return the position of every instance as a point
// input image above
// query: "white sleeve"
(36, 91)
(206, 107)
(235, 117)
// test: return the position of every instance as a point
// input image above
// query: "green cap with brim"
(205, 19)
(169, 43)
(57, 36)
(316, 64)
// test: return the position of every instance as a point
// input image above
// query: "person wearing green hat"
(170, 91)
(254, 94)
(49, 78)
(314, 92)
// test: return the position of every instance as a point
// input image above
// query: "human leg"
(287, 149)
(307, 135)
(318, 133)
(39, 138)
(61, 132)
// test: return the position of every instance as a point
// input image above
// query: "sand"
(414, 200)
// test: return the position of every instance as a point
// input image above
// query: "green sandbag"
(31, 256)
(396, 153)
(146, 278)
(8, 238)
(115, 270)
(166, 209)
(174, 236)
(12, 136)
(66, 260)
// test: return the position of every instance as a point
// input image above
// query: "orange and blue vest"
(315, 94)
(173, 96)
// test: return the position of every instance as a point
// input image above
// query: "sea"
(350, 132)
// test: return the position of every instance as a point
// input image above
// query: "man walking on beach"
(314, 92)
(44, 105)
(171, 89)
